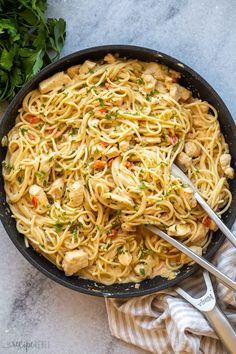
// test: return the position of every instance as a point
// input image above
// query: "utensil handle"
(198, 259)
(216, 219)
(223, 328)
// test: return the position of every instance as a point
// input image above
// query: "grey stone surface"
(202, 34)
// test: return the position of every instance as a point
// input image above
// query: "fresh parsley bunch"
(28, 42)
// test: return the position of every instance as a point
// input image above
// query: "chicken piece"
(54, 82)
(189, 197)
(144, 270)
(56, 190)
(128, 228)
(185, 94)
(175, 91)
(161, 87)
(149, 83)
(112, 152)
(46, 163)
(192, 149)
(225, 161)
(73, 70)
(210, 223)
(183, 161)
(229, 172)
(97, 150)
(124, 145)
(199, 237)
(38, 197)
(117, 101)
(118, 196)
(178, 92)
(86, 66)
(74, 261)
(125, 258)
(43, 173)
(175, 75)
(156, 70)
(110, 58)
(179, 230)
(185, 259)
(76, 194)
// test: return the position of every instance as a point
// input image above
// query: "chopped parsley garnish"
(23, 130)
(75, 227)
(73, 131)
(58, 226)
(8, 166)
(101, 101)
(91, 71)
(40, 174)
(142, 186)
(107, 246)
(140, 81)
(142, 271)
(108, 116)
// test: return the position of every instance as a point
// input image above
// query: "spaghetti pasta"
(88, 163)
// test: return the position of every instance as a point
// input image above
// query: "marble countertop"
(36, 314)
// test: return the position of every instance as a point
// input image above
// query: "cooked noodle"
(88, 162)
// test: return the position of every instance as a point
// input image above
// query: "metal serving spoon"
(177, 172)
(181, 247)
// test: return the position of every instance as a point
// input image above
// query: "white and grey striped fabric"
(164, 323)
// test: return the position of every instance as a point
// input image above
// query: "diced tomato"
(35, 202)
(58, 134)
(102, 110)
(128, 164)
(113, 233)
(108, 86)
(109, 164)
(31, 136)
(207, 221)
(174, 139)
(103, 143)
(33, 119)
(99, 165)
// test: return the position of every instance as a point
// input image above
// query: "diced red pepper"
(174, 139)
(35, 202)
(128, 164)
(33, 119)
(108, 86)
(99, 165)
(103, 143)
(109, 164)
(207, 221)
(31, 136)
(113, 233)
(102, 110)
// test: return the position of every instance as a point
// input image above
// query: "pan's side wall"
(189, 79)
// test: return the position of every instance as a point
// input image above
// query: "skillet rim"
(93, 288)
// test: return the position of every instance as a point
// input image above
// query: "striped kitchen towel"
(165, 323)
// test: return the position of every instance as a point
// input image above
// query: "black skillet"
(191, 80)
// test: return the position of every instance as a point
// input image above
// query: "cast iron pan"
(190, 79)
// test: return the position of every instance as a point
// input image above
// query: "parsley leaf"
(101, 101)
(142, 271)
(28, 42)
(140, 81)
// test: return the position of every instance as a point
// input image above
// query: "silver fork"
(177, 172)
(207, 304)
